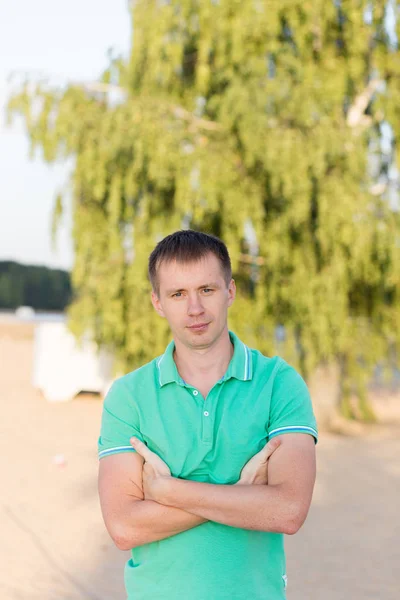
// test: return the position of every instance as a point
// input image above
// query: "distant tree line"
(41, 288)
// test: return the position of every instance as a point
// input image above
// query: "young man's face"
(194, 298)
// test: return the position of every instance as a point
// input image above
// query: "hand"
(155, 471)
(255, 471)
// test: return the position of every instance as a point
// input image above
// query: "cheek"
(220, 308)
(175, 314)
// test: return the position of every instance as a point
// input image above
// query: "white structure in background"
(62, 368)
(25, 313)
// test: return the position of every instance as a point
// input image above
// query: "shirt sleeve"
(291, 408)
(120, 421)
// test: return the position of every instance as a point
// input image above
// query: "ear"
(156, 303)
(231, 292)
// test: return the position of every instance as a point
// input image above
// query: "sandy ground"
(53, 542)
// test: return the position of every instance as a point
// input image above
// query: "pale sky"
(64, 41)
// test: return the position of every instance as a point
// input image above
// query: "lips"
(198, 326)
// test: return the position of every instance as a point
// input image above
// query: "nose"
(195, 307)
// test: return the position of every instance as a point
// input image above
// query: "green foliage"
(39, 287)
(231, 115)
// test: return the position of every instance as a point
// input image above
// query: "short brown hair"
(187, 246)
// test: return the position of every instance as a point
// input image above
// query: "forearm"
(148, 521)
(257, 507)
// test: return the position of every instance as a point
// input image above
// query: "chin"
(202, 339)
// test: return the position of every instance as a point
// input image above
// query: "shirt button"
(195, 392)
(206, 413)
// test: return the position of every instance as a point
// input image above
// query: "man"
(208, 451)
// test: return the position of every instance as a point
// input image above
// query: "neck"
(210, 363)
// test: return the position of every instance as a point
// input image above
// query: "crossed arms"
(135, 514)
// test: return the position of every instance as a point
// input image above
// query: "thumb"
(141, 448)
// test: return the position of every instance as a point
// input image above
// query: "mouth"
(198, 327)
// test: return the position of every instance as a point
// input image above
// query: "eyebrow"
(201, 287)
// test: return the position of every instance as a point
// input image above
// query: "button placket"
(207, 427)
(207, 416)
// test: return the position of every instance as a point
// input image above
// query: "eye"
(207, 290)
(177, 295)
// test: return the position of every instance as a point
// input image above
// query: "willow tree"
(262, 122)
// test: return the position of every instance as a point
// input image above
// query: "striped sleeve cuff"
(293, 429)
(115, 450)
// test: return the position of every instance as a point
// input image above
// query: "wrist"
(164, 490)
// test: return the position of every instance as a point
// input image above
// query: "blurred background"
(273, 125)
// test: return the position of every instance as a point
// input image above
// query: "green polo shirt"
(207, 440)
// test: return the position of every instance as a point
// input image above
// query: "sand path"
(54, 545)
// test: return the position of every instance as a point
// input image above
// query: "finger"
(271, 446)
(141, 448)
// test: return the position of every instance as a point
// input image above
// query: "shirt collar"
(240, 366)
(166, 367)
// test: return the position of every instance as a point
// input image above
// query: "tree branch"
(355, 115)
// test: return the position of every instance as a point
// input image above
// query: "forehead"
(173, 274)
